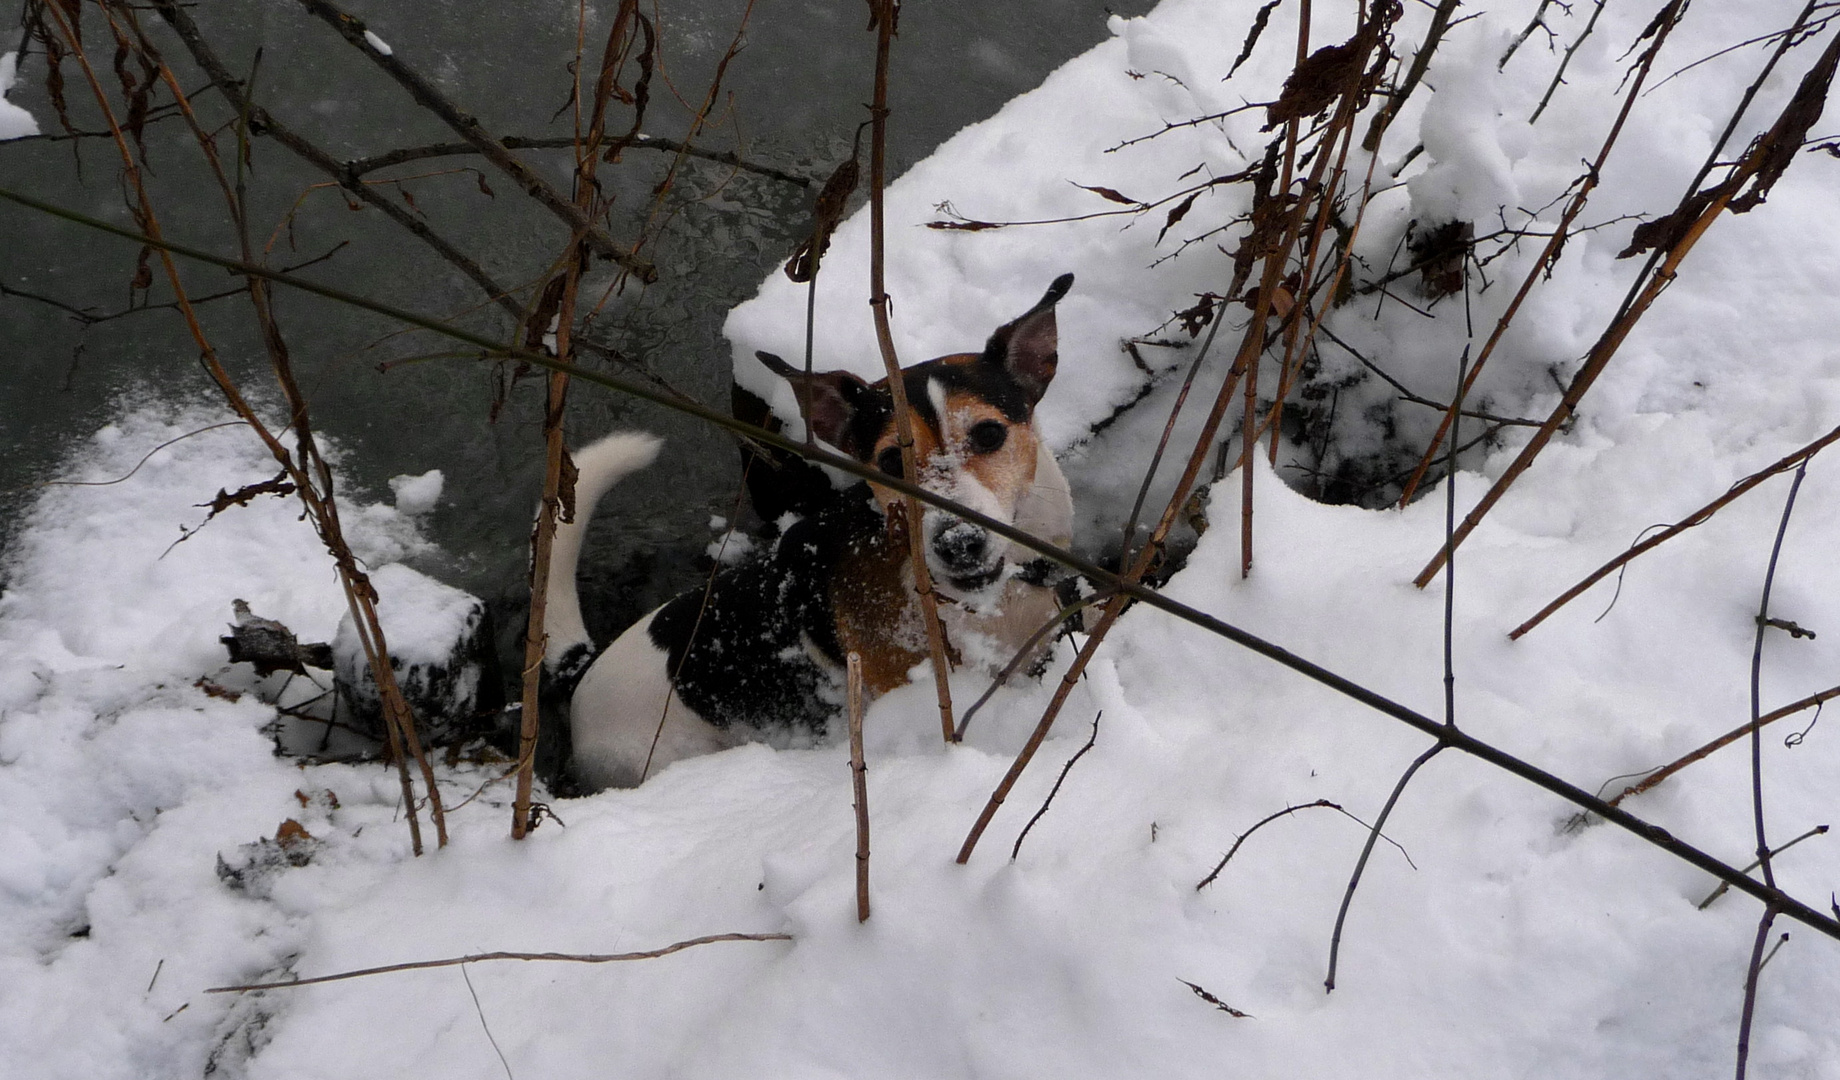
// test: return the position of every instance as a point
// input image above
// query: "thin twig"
(859, 783)
(478, 958)
(1565, 61)
(1697, 517)
(1354, 880)
(1732, 736)
(1262, 822)
(1056, 789)
(364, 165)
(230, 87)
(480, 1009)
(1818, 830)
(1763, 627)
(1750, 987)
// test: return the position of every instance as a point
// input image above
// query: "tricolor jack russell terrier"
(763, 659)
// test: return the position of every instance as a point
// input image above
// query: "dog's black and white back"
(759, 654)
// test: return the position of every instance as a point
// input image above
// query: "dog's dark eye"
(889, 461)
(989, 436)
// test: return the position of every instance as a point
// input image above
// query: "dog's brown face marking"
(968, 448)
(974, 439)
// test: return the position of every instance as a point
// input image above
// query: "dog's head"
(974, 435)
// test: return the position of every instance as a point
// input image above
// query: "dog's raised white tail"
(599, 466)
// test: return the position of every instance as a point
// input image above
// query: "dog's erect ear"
(830, 400)
(1028, 348)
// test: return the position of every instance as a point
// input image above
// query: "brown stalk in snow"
(859, 783)
(883, 16)
(1697, 517)
(476, 958)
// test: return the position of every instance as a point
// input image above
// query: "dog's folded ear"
(1028, 348)
(830, 400)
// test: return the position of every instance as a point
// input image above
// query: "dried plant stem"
(1354, 880)
(1725, 740)
(1268, 819)
(1697, 517)
(1056, 789)
(1554, 244)
(885, 13)
(1129, 589)
(556, 505)
(542, 542)
(1818, 830)
(1294, 350)
(476, 958)
(1434, 35)
(362, 166)
(859, 783)
(1248, 435)
(1027, 650)
(1565, 61)
(1764, 860)
(465, 125)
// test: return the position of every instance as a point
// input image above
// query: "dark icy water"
(791, 98)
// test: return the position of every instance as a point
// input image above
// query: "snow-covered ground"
(1505, 945)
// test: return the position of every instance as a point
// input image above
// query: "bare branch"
(478, 958)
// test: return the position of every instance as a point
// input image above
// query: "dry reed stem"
(1248, 439)
(1697, 517)
(475, 958)
(558, 504)
(859, 783)
(1732, 736)
(464, 124)
(361, 166)
(1548, 255)
(1132, 590)
(884, 16)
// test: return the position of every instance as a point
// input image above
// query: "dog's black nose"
(962, 546)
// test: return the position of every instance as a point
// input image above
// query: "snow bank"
(1498, 943)
(15, 122)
